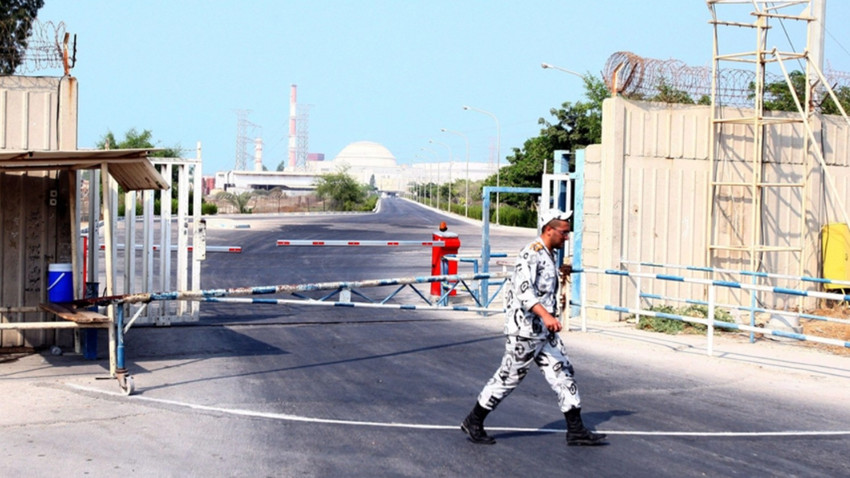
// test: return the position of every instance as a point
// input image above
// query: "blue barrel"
(60, 283)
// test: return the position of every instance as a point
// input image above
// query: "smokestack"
(258, 154)
(292, 132)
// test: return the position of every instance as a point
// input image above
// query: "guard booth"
(40, 220)
(40, 186)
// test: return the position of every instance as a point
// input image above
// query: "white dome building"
(364, 160)
(365, 154)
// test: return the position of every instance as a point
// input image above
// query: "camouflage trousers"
(550, 357)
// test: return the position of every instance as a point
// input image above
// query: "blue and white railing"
(481, 295)
(712, 304)
(754, 278)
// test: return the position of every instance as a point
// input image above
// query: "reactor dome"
(365, 154)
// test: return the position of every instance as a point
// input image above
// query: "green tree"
(239, 201)
(829, 107)
(574, 127)
(343, 190)
(144, 140)
(778, 97)
(135, 140)
(277, 194)
(16, 19)
(669, 94)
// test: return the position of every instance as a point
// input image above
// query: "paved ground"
(311, 391)
(61, 414)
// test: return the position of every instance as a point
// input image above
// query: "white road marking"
(420, 426)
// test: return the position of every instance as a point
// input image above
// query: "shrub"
(209, 209)
(512, 216)
(369, 203)
(661, 324)
(675, 326)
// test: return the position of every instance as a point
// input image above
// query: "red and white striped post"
(451, 244)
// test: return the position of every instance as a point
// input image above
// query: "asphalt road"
(275, 390)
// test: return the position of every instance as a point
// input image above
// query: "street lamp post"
(437, 158)
(444, 130)
(547, 66)
(498, 155)
(451, 160)
(428, 174)
(553, 67)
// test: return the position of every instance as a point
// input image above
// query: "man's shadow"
(591, 420)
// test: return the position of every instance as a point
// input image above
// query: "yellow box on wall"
(835, 245)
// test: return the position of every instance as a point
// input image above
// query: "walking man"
(531, 329)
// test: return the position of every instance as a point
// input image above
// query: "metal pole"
(498, 154)
(451, 160)
(571, 72)
(583, 305)
(466, 209)
(711, 303)
(437, 156)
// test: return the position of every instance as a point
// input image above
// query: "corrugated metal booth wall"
(36, 113)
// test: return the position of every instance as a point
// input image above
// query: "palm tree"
(239, 201)
(277, 193)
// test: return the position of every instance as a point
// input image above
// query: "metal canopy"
(130, 167)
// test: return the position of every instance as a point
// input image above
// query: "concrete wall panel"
(650, 178)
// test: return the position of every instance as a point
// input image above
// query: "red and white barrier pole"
(310, 242)
(450, 245)
(157, 247)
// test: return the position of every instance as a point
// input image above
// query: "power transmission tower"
(302, 136)
(245, 131)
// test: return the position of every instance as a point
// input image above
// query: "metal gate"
(151, 250)
(562, 190)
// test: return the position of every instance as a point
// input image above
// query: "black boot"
(473, 425)
(577, 434)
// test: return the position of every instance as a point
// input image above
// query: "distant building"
(365, 161)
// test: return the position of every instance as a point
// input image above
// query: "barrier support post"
(583, 294)
(711, 305)
(451, 244)
(753, 311)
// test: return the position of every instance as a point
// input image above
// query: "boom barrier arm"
(277, 289)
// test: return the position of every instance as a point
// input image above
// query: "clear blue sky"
(393, 72)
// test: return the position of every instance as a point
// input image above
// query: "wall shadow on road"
(430, 348)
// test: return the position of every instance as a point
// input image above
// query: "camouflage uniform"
(534, 280)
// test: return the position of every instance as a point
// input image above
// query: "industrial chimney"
(258, 154)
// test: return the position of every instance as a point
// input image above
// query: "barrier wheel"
(128, 386)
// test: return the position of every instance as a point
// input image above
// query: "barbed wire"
(635, 76)
(47, 45)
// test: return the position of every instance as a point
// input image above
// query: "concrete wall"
(647, 194)
(36, 114)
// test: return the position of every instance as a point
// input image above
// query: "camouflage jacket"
(534, 280)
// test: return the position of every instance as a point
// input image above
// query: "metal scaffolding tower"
(743, 181)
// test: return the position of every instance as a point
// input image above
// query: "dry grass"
(832, 330)
(270, 204)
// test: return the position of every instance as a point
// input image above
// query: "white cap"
(550, 215)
